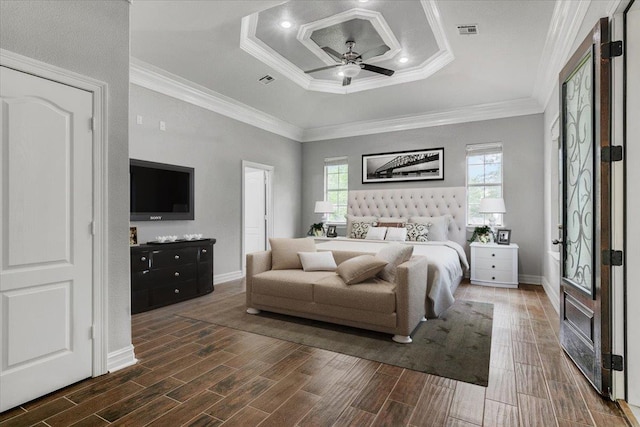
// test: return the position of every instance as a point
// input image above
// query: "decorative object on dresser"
(494, 265)
(415, 165)
(503, 237)
(166, 273)
(331, 231)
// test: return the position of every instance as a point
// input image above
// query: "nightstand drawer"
(488, 275)
(495, 254)
(499, 264)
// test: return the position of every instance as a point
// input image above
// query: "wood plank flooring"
(191, 373)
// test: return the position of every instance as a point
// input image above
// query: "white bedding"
(447, 264)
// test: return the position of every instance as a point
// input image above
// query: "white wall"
(215, 146)
(89, 38)
(522, 140)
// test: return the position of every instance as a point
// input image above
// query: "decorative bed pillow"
(391, 224)
(352, 218)
(417, 232)
(394, 254)
(359, 229)
(393, 220)
(360, 268)
(317, 261)
(376, 233)
(438, 226)
(284, 252)
(396, 234)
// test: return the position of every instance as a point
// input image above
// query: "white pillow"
(396, 234)
(317, 261)
(438, 226)
(376, 233)
(394, 254)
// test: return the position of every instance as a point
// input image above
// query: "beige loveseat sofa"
(395, 308)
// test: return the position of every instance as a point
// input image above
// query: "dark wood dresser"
(166, 273)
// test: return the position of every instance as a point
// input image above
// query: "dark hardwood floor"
(194, 373)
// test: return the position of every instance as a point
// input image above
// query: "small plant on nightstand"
(481, 234)
(316, 229)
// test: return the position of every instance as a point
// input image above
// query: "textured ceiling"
(200, 42)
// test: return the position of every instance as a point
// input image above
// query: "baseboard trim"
(529, 279)
(121, 359)
(551, 294)
(227, 277)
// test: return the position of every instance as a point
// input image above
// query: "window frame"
(336, 161)
(473, 150)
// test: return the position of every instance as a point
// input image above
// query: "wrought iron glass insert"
(579, 184)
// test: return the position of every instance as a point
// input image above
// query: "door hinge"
(611, 49)
(93, 228)
(613, 153)
(613, 361)
(92, 124)
(92, 332)
(611, 257)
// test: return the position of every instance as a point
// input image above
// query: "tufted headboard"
(435, 201)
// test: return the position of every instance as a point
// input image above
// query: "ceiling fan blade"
(376, 51)
(380, 70)
(322, 68)
(346, 81)
(333, 53)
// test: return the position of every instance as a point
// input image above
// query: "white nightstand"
(494, 265)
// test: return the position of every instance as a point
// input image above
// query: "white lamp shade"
(324, 207)
(490, 205)
(351, 70)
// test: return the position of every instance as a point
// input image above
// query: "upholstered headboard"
(436, 201)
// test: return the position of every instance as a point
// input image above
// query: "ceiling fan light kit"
(351, 62)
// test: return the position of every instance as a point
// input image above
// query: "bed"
(446, 257)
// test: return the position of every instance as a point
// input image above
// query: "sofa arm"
(411, 293)
(257, 263)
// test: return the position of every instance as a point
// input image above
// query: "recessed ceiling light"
(403, 60)
(285, 24)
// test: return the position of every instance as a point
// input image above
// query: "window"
(484, 179)
(336, 187)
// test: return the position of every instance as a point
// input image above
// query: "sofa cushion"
(317, 261)
(360, 268)
(371, 295)
(284, 252)
(294, 284)
(394, 254)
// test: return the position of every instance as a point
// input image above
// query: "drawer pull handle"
(144, 258)
(177, 257)
(493, 254)
(493, 278)
(176, 274)
(493, 266)
(177, 291)
(204, 251)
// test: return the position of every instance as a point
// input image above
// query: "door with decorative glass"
(586, 223)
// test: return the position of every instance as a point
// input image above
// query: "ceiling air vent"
(265, 80)
(466, 30)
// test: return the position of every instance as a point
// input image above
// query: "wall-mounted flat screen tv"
(160, 192)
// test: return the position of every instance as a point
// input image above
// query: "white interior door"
(45, 234)
(632, 52)
(255, 210)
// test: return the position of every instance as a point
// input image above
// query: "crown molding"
(261, 51)
(497, 110)
(161, 81)
(158, 80)
(375, 18)
(565, 23)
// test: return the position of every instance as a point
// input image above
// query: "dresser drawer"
(494, 264)
(488, 275)
(140, 280)
(494, 254)
(176, 274)
(140, 260)
(163, 295)
(169, 257)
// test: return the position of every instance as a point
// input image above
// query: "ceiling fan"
(351, 62)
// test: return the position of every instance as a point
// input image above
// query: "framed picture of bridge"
(399, 166)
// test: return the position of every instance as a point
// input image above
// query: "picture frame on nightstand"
(331, 231)
(503, 236)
